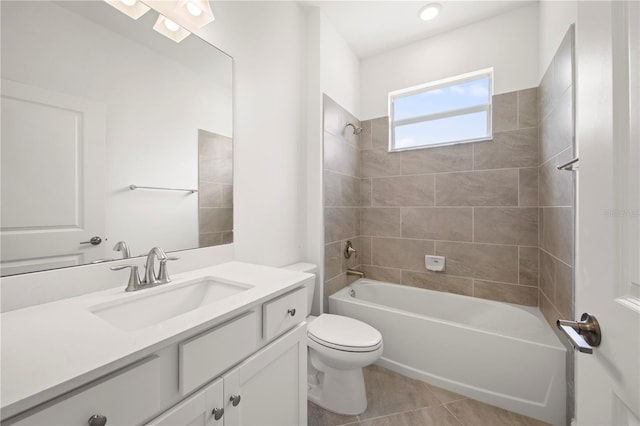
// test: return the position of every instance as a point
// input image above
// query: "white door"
(608, 259)
(53, 191)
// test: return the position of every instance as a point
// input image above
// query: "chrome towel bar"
(132, 187)
(569, 166)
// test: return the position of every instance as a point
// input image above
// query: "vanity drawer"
(205, 356)
(126, 397)
(281, 314)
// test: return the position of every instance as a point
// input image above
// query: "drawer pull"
(235, 400)
(292, 312)
(218, 413)
(97, 420)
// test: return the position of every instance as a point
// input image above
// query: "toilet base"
(339, 391)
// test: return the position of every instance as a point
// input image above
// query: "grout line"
(449, 410)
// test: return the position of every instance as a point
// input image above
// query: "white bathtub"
(499, 353)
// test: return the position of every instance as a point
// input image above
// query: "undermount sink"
(162, 303)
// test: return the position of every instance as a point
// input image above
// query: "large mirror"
(110, 132)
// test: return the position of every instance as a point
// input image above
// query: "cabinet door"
(270, 388)
(196, 410)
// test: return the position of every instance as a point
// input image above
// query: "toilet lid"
(345, 333)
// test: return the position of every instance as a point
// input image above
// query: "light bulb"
(193, 9)
(429, 12)
(129, 2)
(171, 26)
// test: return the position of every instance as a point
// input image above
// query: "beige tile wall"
(342, 170)
(556, 187)
(215, 184)
(476, 204)
(556, 198)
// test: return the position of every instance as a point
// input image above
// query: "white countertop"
(55, 347)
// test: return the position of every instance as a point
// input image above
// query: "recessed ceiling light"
(429, 11)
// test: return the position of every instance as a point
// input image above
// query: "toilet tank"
(309, 268)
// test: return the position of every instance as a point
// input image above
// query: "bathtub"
(498, 353)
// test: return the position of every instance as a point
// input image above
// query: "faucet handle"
(163, 274)
(134, 278)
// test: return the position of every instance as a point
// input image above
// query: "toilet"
(339, 347)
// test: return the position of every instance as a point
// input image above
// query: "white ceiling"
(372, 27)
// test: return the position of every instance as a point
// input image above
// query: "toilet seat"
(344, 334)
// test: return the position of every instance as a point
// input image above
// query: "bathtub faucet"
(356, 273)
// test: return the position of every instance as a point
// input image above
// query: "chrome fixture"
(150, 277)
(584, 334)
(569, 166)
(356, 273)
(94, 241)
(352, 293)
(160, 188)
(356, 130)
(134, 282)
(97, 420)
(122, 247)
(349, 250)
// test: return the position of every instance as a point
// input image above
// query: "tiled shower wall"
(215, 189)
(341, 195)
(556, 187)
(556, 201)
(475, 203)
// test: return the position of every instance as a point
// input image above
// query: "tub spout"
(356, 273)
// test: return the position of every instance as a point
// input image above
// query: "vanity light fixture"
(189, 14)
(170, 29)
(430, 11)
(132, 8)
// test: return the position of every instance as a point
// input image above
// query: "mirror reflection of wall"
(93, 102)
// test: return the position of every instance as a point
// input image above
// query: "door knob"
(94, 241)
(584, 334)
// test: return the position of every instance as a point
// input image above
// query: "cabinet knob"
(292, 312)
(235, 400)
(97, 420)
(218, 413)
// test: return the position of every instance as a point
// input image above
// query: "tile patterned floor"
(395, 400)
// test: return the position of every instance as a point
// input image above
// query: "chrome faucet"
(122, 246)
(356, 273)
(149, 267)
(150, 277)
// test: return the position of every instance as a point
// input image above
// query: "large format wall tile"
(403, 191)
(481, 261)
(557, 185)
(340, 156)
(380, 132)
(438, 223)
(215, 219)
(529, 265)
(505, 225)
(528, 108)
(380, 222)
(439, 282)
(481, 188)
(528, 187)
(439, 159)
(379, 162)
(340, 223)
(400, 253)
(557, 128)
(509, 293)
(516, 148)
(557, 232)
(505, 112)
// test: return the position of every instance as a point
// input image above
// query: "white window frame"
(434, 85)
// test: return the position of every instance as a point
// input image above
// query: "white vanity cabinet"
(246, 370)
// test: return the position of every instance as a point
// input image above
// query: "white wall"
(267, 41)
(507, 42)
(554, 20)
(339, 68)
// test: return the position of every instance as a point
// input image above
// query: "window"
(443, 112)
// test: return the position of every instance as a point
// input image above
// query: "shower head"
(356, 130)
